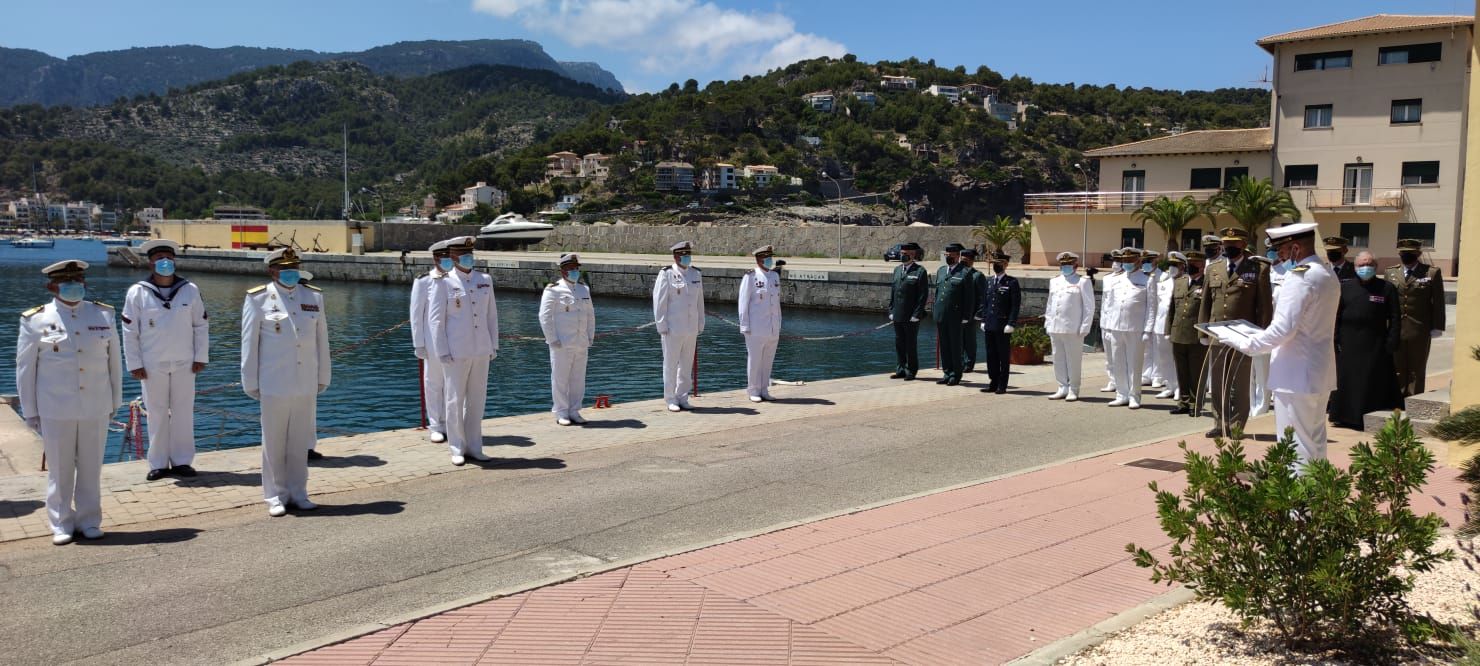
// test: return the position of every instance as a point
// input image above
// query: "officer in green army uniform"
(955, 305)
(1235, 288)
(1421, 292)
(968, 330)
(1187, 351)
(907, 300)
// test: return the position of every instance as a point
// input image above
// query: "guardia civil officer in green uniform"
(955, 305)
(1187, 351)
(1421, 292)
(968, 331)
(907, 300)
(1235, 288)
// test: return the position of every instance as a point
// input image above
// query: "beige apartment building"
(1367, 131)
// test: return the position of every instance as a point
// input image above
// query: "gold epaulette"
(28, 313)
(102, 304)
(309, 286)
(1300, 269)
(256, 289)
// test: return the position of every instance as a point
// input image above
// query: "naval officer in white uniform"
(285, 366)
(678, 312)
(166, 343)
(760, 322)
(1159, 339)
(568, 320)
(432, 376)
(462, 320)
(69, 374)
(1130, 300)
(1067, 319)
(1302, 366)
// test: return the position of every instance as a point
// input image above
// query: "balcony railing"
(1357, 199)
(1107, 202)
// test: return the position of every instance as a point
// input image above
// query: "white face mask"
(1174, 271)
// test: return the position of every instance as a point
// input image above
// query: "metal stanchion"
(695, 391)
(421, 387)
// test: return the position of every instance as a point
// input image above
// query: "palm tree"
(1254, 204)
(997, 233)
(1171, 215)
(1024, 235)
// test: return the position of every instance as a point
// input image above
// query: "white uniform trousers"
(74, 470)
(1109, 343)
(1306, 413)
(466, 393)
(169, 406)
(568, 380)
(433, 378)
(1148, 358)
(678, 367)
(760, 355)
(1164, 367)
(1259, 386)
(1068, 352)
(1125, 364)
(289, 430)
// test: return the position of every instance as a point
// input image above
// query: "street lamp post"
(1084, 250)
(838, 199)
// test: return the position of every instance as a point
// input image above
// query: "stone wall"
(833, 290)
(822, 241)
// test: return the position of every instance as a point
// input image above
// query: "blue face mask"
(444, 264)
(1288, 264)
(1366, 272)
(289, 277)
(465, 262)
(1067, 269)
(1129, 267)
(768, 263)
(72, 292)
(1148, 267)
(165, 267)
(573, 276)
(1272, 255)
(685, 260)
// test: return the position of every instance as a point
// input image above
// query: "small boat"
(33, 243)
(86, 237)
(117, 241)
(513, 228)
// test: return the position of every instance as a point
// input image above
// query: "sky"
(1181, 44)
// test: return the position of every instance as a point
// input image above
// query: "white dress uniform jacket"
(678, 312)
(1067, 319)
(462, 320)
(432, 372)
(165, 330)
(1259, 392)
(69, 373)
(1130, 305)
(760, 323)
(568, 320)
(285, 364)
(1302, 368)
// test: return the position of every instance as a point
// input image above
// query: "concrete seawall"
(841, 288)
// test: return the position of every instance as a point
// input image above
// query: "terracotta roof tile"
(1199, 141)
(1366, 26)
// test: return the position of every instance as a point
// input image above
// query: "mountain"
(32, 77)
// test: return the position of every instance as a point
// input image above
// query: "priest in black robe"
(1367, 328)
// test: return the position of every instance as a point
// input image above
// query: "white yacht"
(32, 242)
(513, 228)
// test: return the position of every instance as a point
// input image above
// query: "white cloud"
(669, 35)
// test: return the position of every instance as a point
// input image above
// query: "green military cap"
(1336, 243)
(1410, 244)
(1194, 255)
(1233, 234)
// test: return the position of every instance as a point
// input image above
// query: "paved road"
(234, 584)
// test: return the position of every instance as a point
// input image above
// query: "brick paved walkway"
(981, 574)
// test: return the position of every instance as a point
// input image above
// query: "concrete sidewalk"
(986, 573)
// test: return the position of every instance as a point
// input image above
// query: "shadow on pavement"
(519, 463)
(723, 410)
(1026, 392)
(615, 423)
(360, 460)
(171, 535)
(381, 508)
(20, 507)
(206, 479)
(507, 440)
(803, 401)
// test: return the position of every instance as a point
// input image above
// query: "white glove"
(1435, 333)
(445, 360)
(254, 394)
(492, 356)
(323, 387)
(914, 319)
(891, 316)
(555, 344)
(34, 423)
(983, 327)
(744, 330)
(1007, 329)
(1204, 341)
(421, 352)
(966, 321)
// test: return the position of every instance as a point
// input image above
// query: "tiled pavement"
(981, 574)
(231, 478)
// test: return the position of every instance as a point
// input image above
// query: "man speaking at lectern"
(1302, 367)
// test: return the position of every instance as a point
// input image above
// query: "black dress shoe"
(182, 470)
(1180, 410)
(898, 375)
(1001, 390)
(155, 475)
(968, 368)
(314, 455)
(942, 380)
(953, 381)
(1215, 432)
(909, 378)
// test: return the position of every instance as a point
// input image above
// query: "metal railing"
(1076, 202)
(1357, 198)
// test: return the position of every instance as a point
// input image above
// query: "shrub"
(1325, 555)
(1031, 336)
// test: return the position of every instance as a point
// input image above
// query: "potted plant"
(1029, 343)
